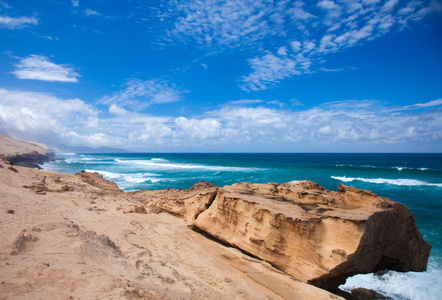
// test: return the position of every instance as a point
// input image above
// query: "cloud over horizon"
(69, 122)
(238, 75)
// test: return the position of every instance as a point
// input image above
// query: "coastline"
(77, 198)
(24, 153)
(71, 236)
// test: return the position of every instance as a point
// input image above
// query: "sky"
(223, 76)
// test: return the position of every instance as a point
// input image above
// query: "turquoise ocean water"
(412, 179)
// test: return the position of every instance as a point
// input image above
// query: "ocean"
(412, 179)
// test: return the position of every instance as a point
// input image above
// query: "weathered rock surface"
(186, 204)
(97, 180)
(68, 236)
(318, 236)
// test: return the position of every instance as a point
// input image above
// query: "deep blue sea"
(412, 179)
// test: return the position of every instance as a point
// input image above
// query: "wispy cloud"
(17, 23)
(226, 23)
(4, 4)
(307, 31)
(434, 103)
(268, 70)
(38, 67)
(75, 3)
(89, 12)
(141, 94)
(245, 102)
(330, 26)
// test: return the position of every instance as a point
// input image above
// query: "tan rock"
(186, 204)
(78, 243)
(318, 236)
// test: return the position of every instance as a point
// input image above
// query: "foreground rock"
(80, 237)
(318, 236)
(24, 153)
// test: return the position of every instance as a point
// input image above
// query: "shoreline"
(88, 194)
(60, 240)
(24, 153)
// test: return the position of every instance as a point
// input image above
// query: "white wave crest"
(399, 182)
(411, 285)
(158, 159)
(129, 178)
(160, 164)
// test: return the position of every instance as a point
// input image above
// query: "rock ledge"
(317, 236)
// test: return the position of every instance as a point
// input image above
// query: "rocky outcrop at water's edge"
(24, 153)
(81, 236)
(317, 236)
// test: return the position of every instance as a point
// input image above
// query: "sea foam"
(399, 182)
(411, 285)
(162, 164)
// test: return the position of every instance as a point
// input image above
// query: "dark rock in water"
(31, 160)
(366, 294)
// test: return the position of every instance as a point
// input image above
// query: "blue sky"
(223, 76)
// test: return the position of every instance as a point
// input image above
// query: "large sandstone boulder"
(186, 204)
(318, 236)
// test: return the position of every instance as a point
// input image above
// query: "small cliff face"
(317, 236)
(24, 153)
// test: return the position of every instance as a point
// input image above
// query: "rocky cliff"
(24, 153)
(317, 236)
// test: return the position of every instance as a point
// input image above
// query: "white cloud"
(38, 67)
(224, 23)
(267, 71)
(327, 44)
(336, 125)
(89, 12)
(198, 129)
(296, 46)
(325, 27)
(282, 51)
(328, 5)
(17, 23)
(43, 116)
(141, 94)
(389, 5)
(245, 102)
(116, 110)
(299, 14)
(433, 103)
(75, 3)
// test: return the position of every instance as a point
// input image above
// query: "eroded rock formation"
(24, 153)
(317, 236)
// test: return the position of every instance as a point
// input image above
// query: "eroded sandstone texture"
(317, 236)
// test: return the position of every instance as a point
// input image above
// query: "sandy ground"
(64, 238)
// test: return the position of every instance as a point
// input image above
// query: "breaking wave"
(162, 164)
(399, 182)
(411, 285)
